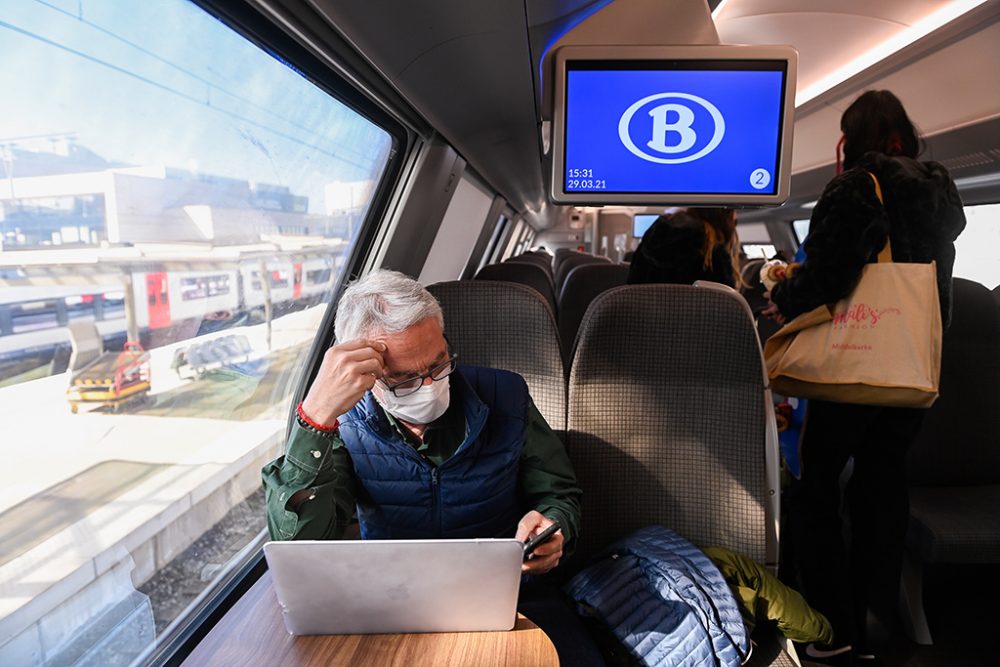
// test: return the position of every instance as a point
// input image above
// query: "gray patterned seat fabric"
(509, 326)
(767, 651)
(531, 275)
(667, 418)
(956, 524)
(953, 467)
(667, 425)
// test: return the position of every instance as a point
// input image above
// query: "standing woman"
(922, 215)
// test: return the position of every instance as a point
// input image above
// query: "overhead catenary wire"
(337, 155)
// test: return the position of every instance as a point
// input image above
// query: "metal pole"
(265, 281)
(131, 323)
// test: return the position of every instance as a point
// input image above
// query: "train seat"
(560, 256)
(954, 465)
(570, 263)
(667, 418)
(507, 325)
(670, 422)
(536, 260)
(583, 284)
(531, 275)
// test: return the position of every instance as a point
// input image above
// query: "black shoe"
(820, 654)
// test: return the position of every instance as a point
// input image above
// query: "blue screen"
(642, 222)
(658, 130)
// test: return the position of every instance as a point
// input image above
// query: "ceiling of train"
(464, 65)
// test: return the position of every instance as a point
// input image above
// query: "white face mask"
(421, 407)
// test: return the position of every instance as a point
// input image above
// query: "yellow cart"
(114, 380)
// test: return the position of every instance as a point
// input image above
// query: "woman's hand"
(772, 310)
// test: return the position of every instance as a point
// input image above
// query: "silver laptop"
(390, 586)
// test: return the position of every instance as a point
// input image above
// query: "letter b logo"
(681, 126)
(670, 131)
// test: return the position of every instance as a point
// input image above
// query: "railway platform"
(98, 502)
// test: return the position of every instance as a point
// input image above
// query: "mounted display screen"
(674, 125)
(642, 222)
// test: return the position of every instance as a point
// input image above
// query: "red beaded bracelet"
(304, 417)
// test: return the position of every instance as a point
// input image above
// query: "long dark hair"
(877, 121)
(720, 230)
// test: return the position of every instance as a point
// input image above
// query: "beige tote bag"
(879, 346)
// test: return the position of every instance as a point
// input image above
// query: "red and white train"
(34, 320)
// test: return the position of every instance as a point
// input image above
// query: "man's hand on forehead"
(348, 371)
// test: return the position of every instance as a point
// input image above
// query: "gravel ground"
(173, 588)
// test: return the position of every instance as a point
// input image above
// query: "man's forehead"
(415, 349)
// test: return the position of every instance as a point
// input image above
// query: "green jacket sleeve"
(548, 483)
(316, 471)
(760, 594)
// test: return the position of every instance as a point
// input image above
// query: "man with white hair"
(420, 447)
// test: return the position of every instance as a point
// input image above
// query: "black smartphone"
(539, 539)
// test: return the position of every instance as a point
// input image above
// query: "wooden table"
(253, 633)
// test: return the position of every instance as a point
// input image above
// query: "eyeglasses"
(411, 385)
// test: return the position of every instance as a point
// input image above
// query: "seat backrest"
(583, 284)
(669, 420)
(571, 263)
(524, 274)
(509, 326)
(959, 443)
(562, 254)
(534, 260)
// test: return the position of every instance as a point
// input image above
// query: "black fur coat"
(923, 216)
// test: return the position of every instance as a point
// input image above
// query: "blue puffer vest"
(472, 494)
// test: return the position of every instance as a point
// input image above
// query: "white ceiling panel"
(826, 34)
(951, 87)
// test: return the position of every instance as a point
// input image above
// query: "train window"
(498, 231)
(154, 164)
(458, 232)
(203, 287)
(975, 249)
(752, 232)
(318, 276)
(976, 255)
(755, 250)
(801, 229)
(514, 239)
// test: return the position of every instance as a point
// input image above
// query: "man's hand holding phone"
(543, 542)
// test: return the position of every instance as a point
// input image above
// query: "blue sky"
(162, 82)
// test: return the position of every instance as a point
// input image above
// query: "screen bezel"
(619, 56)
